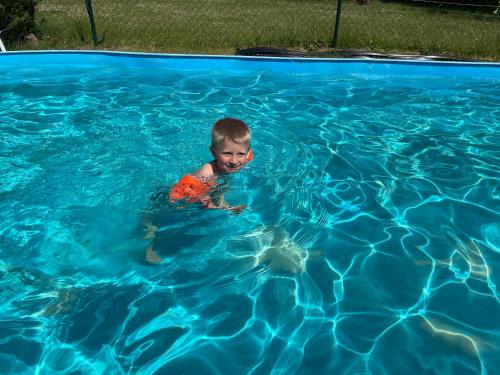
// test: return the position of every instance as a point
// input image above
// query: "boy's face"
(230, 157)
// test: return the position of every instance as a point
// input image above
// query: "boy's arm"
(217, 201)
(205, 172)
(236, 209)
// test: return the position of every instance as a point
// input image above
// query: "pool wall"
(383, 67)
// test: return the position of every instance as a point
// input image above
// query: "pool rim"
(362, 59)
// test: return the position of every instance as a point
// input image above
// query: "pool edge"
(259, 58)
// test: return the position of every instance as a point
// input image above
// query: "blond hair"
(230, 129)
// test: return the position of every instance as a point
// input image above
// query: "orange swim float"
(250, 155)
(191, 189)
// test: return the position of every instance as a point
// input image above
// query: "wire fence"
(468, 28)
(184, 25)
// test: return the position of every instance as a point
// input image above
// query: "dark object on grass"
(382, 55)
(363, 2)
(347, 53)
(265, 51)
(17, 19)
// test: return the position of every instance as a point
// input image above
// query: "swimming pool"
(370, 244)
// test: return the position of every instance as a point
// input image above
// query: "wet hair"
(230, 129)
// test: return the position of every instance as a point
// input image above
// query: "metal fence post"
(90, 12)
(2, 47)
(337, 23)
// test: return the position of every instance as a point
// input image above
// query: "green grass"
(403, 28)
(221, 26)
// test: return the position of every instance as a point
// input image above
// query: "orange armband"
(190, 188)
(250, 155)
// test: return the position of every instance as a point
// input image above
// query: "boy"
(230, 148)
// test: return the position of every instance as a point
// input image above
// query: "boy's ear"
(212, 150)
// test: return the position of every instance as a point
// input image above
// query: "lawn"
(221, 26)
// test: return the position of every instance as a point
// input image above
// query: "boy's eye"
(230, 153)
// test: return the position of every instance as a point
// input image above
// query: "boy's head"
(230, 144)
(232, 130)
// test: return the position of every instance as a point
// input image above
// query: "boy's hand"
(237, 209)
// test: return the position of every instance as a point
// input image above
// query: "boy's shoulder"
(205, 171)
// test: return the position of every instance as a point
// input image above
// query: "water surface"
(370, 244)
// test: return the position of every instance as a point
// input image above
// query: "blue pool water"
(370, 244)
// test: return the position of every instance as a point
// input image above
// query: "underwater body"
(370, 243)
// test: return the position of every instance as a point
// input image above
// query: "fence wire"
(462, 27)
(184, 25)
